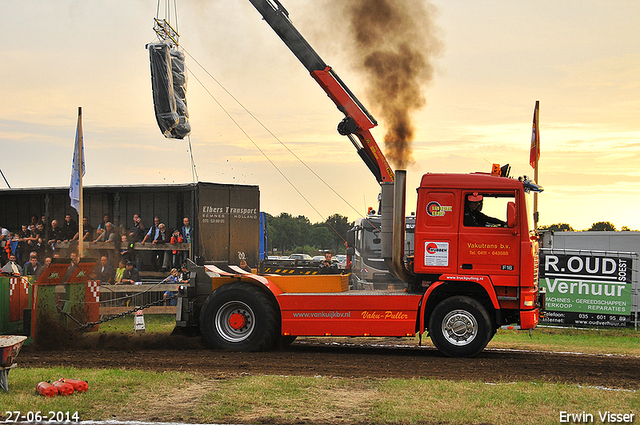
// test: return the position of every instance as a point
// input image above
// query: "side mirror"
(512, 218)
(351, 237)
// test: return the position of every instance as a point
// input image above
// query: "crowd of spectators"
(33, 246)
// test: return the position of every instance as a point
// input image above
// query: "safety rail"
(147, 246)
(115, 299)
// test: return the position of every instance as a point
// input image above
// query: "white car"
(304, 257)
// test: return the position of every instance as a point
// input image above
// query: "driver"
(473, 216)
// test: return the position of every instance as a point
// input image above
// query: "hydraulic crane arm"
(358, 121)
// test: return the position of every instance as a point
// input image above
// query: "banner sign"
(592, 289)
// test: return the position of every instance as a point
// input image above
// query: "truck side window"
(473, 215)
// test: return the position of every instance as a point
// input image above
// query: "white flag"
(78, 151)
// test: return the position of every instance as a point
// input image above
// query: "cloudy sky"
(581, 59)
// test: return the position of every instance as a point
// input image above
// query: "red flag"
(534, 153)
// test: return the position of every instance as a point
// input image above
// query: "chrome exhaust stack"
(393, 226)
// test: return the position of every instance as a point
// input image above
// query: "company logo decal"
(432, 248)
(436, 254)
(434, 209)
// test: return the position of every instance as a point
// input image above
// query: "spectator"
(151, 235)
(188, 234)
(69, 229)
(31, 238)
(103, 226)
(131, 275)
(87, 230)
(176, 238)
(174, 277)
(108, 235)
(185, 275)
(47, 262)
(31, 268)
(4, 233)
(162, 257)
(103, 271)
(40, 232)
(153, 230)
(45, 226)
(75, 260)
(136, 232)
(120, 271)
(126, 249)
(328, 266)
(40, 245)
(11, 245)
(12, 267)
(23, 247)
(55, 235)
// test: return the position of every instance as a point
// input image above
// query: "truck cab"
(490, 250)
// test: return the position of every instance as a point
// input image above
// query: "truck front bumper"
(529, 318)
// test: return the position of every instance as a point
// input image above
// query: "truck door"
(486, 245)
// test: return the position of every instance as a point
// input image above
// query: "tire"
(460, 327)
(239, 317)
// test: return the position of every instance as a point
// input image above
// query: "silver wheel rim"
(227, 324)
(459, 327)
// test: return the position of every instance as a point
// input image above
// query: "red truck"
(471, 273)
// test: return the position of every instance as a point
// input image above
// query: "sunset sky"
(581, 59)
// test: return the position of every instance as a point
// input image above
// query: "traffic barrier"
(138, 323)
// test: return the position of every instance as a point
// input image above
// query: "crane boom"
(358, 121)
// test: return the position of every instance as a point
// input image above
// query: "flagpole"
(537, 158)
(81, 198)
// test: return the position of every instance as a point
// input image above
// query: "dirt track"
(311, 357)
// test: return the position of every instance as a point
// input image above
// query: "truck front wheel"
(239, 317)
(460, 327)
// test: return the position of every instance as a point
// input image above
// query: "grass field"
(184, 397)
(187, 397)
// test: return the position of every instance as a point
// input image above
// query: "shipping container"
(225, 218)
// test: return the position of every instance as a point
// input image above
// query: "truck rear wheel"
(460, 327)
(239, 317)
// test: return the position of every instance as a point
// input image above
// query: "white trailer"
(576, 249)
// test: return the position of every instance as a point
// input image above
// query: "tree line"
(606, 226)
(289, 234)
